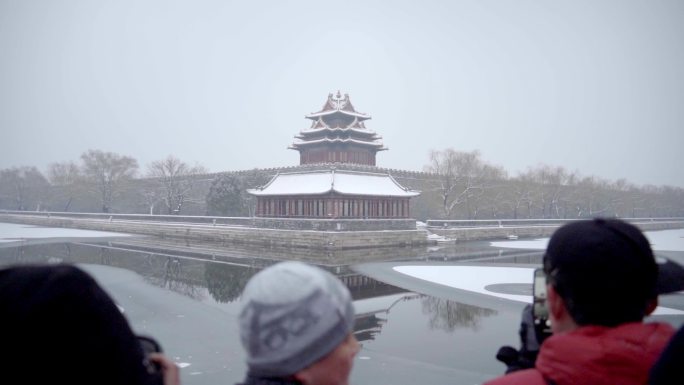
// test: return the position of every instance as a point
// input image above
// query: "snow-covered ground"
(11, 232)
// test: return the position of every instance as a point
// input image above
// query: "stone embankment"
(327, 234)
(343, 234)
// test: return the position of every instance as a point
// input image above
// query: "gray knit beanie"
(292, 315)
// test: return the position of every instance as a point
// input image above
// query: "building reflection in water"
(206, 273)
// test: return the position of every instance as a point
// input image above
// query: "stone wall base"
(328, 240)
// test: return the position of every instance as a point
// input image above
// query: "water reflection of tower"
(373, 300)
(362, 287)
(371, 313)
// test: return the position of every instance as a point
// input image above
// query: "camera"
(148, 346)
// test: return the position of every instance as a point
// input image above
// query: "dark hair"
(604, 270)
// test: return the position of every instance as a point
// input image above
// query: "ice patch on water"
(477, 278)
(664, 240)
(473, 278)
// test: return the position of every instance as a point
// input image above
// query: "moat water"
(412, 330)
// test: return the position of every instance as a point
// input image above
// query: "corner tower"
(337, 135)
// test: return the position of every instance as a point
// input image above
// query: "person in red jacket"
(601, 283)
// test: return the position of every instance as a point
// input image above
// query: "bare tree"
(491, 181)
(516, 196)
(23, 187)
(552, 185)
(462, 176)
(639, 203)
(151, 196)
(673, 199)
(623, 202)
(66, 176)
(106, 171)
(176, 180)
(595, 197)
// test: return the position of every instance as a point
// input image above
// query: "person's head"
(600, 272)
(59, 326)
(296, 322)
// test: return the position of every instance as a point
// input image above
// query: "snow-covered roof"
(327, 181)
(316, 115)
(372, 143)
(363, 131)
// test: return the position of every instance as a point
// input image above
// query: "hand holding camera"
(161, 369)
(535, 327)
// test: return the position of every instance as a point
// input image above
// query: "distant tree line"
(463, 186)
(102, 181)
(454, 185)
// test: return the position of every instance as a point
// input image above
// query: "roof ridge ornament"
(338, 102)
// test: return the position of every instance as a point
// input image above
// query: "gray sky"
(594, 86)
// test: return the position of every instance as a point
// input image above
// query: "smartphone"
(540, 310)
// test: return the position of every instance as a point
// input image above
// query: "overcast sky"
(594, 86)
